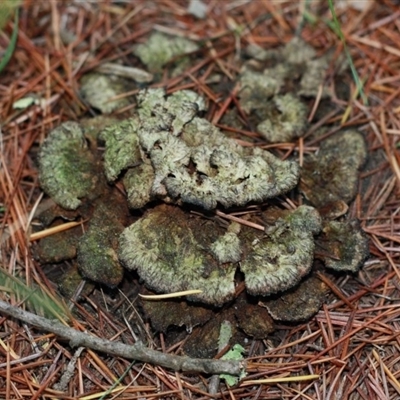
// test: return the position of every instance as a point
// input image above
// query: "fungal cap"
(277, 260)
(167, 248)
(67, 169)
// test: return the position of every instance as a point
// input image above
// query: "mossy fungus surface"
(151, 187)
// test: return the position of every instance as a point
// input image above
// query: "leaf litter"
(374, 205)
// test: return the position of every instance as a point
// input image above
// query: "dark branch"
(137, 351)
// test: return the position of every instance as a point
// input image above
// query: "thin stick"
(138, 351)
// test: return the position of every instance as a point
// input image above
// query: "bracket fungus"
(294, 67)
(122, 148)
(164, 151)
(286, 119)
(174, 251)
(299, 303)
(100, 90)
(97, 248)
(175, 312)
(254, 320)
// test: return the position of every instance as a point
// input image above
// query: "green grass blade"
(337, 29)
(117, 382)
(11, 46)
(36, 298)
(7, 8)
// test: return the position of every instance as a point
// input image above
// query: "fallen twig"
(138, 351)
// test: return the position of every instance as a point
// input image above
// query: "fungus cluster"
(274, 84)
(169, 153)
(176, 169)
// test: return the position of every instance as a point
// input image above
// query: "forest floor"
(350, 348)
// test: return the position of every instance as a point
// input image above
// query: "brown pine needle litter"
(349, 350)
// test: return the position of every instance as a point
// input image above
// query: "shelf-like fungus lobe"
(67, 168)
(274, 85)
(286, 119)
(331, 175)
(97, 248)
(160, 49)
(167, 152)
(299, 303)
(344, 244)
(171, 250)
(184, 158)
(100, 91)
(276, 260)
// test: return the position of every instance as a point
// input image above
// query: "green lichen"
(235, 353)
